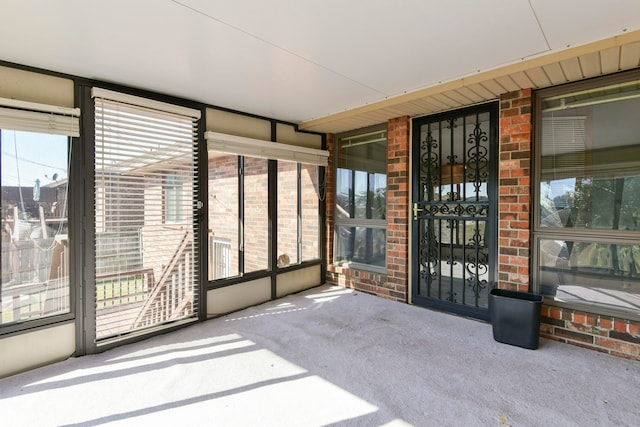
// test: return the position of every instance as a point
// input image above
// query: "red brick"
(574, 336)
(620, 326)
(580, 318)
(523, 118)
(585, 328)
(620, 346)
(605, 323)
(625, 356)
(521, 137)
(509, 113)
(510, 95)
(555, 313)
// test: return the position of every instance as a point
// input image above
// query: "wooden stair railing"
(161, 284)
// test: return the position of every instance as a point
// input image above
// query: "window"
(35, 256)
(256, 214)
(288, 236)
(36, 156)
(173, 199)
(588, 198)
(239, 176)
(298, 214)
(310, 211)
(224, 215)
(361, 199)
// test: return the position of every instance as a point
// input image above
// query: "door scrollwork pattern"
(453, 210)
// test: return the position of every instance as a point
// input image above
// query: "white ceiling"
(297, 60)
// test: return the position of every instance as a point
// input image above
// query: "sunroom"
(198, 158)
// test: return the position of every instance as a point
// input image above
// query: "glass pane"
(344, 194)
(310, 212)
(173, 195)
(256, 214)
(361, 194)
(361, 245)
(35, 244)
(589, 272)
(362, 176)
(287, 213)
(378, 195)
(224, 227)
(590, 165)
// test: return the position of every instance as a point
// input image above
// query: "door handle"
(416, 211)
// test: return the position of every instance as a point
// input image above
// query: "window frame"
(366, 223)
(595, 235)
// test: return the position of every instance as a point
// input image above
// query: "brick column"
(329, 191)
(397, 208)
(515, 190)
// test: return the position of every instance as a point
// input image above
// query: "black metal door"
(455, 210)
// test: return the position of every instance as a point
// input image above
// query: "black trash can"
(515, 317)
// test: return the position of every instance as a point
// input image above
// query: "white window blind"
(563, 146)
(145, 186)
(242, 146)
(43, 118)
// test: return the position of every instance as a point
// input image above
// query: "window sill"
(593, 308)
(360, 267)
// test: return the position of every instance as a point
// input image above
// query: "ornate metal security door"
(454, 210)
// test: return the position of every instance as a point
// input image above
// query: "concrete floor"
(329, 356)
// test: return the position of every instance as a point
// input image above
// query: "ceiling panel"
(573, 22)
(555, 73)
(590, 64)
(507, 83)
(383, 46)
(483, 90)
(538, 77)
(522, 79)
(469, 94)
(311, 61)
(610, 60)
(571, 69)
(630, 56)
(494, 86)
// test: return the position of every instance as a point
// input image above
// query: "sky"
(27, 156)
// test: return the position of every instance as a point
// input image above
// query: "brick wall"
(608, 334)
(515, 191)
(393, 284)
